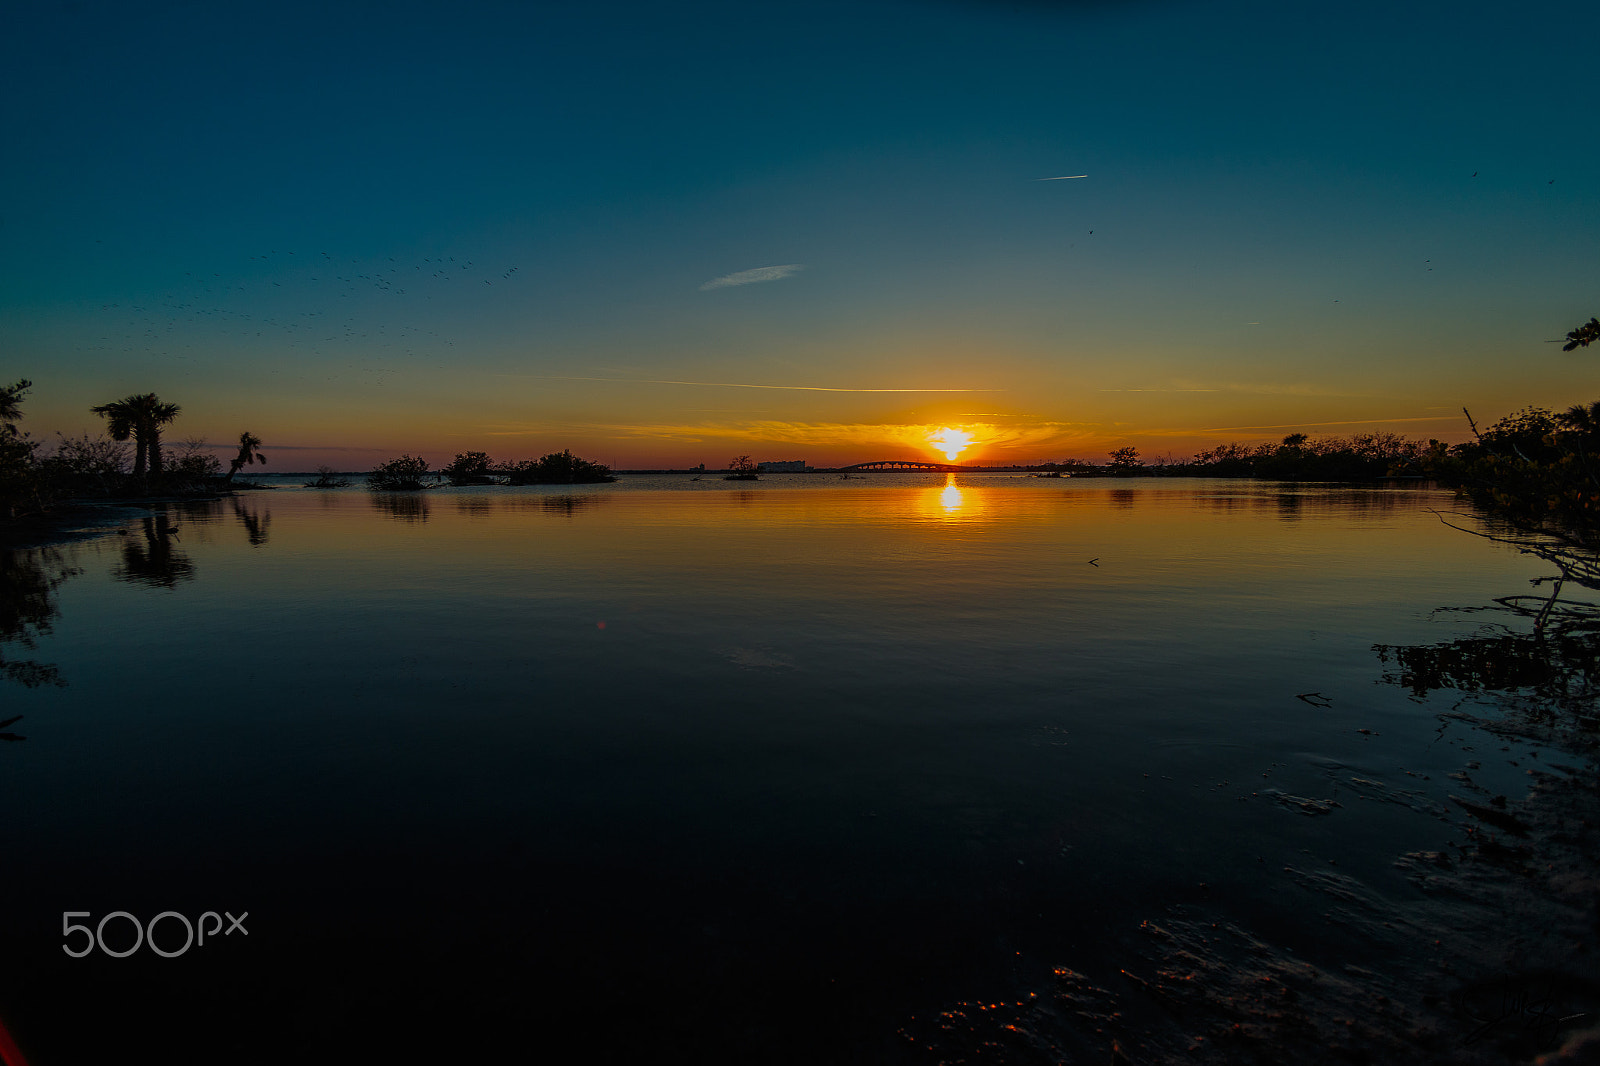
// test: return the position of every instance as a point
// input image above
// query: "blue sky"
(420, 227)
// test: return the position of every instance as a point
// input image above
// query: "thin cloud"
(743, 385)
(910, 437)
(750, 277)
(304, 447)
(1348, 422)
(1064, 177)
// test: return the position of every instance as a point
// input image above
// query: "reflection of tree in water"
(28, 580)
(475, 505)
(401, 506)
(152, 559)
(255, 520)
(1560, 668)
(567, 505)
(1554, 668)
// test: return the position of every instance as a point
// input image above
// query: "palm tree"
(140, 417)
(11, 404)
(249, 453)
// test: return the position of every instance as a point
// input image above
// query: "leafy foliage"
(140, 417)
(1125, 461)
(193, 466)
(22, 488)
(404, 474)
(249, 454)
(557, 468)
(1535, 468)
(470, 468)
(1583, 336)
(1362, 457)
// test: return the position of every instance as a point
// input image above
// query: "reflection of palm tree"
(155, 562)
(249, 453)
(141, 418)
(255, 526)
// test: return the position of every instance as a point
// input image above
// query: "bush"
(470, 468)
(404, 474)
(97, 459)
(327, 478)
(1535, 469)
(557, 468)
(192, 466)
(23, 488)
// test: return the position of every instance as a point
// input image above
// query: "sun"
(952, 442)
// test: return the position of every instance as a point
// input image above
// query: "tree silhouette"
(11, 404)
(1583, 336)
(470, 468)
(155, 562)
(141, 417)
(249, 454)
(1125, 461)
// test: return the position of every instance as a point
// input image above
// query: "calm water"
(701, 771)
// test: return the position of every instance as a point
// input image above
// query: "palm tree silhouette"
(11, 404)
(249, 453)
(141, 417)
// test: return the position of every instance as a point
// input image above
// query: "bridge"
(902, 464)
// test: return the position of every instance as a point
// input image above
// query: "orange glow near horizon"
(950, 442)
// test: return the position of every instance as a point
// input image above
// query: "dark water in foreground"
(694, 772)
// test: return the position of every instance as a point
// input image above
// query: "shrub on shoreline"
(404, 474)
(557, 468)
(1536, 469)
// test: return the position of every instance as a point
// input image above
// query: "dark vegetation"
(128, 460)
(28, 581)
(328, 478)
(1536, 470)
(404, 474)
(1298, 457)
(476, 468)
(742, 469)
(131, 460)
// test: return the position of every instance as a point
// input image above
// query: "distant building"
(778, 466)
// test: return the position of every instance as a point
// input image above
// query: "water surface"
(707, 771)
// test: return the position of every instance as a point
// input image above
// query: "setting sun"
(952, 442)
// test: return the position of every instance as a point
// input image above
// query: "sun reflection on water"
(950, 495)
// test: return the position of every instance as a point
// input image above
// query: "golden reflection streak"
(950, 496)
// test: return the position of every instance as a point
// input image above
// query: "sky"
(665, 235)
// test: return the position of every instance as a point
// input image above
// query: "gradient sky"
(434, 228)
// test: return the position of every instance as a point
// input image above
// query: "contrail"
(742, 385)
(1064, 177)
